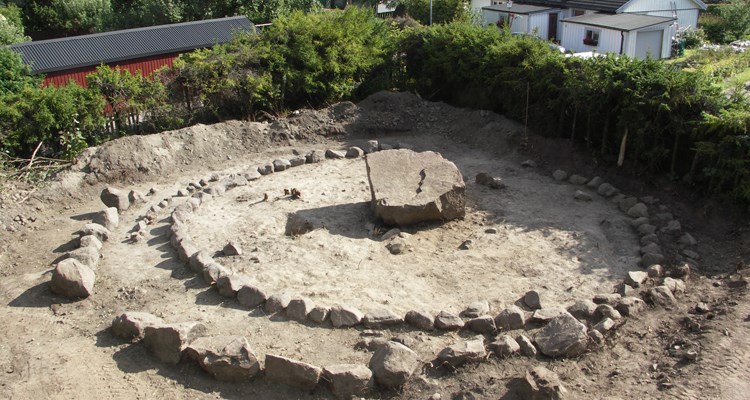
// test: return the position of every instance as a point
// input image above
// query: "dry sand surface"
(544, 240)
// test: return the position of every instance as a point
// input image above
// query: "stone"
(203, 197)
(298, 224)
(107, 218)
(233, 181)
(424, 187)
(607, 298)
(349, 380)
(626, 203)
(276, 303)
(345, 316)
(631, 305)
(673, 228)
(606, 190)
(542, 384)
(637, 222)
(529, 164)
(448, 322)
(319, 314)
(265, 169)
(595, 182)
(251, 296)
(463, 352)
(132, 325)
(381, 318)
(181, 213)
(226, 358)
(636, 278)
(420, 320)
(297, 161)
(215, 189)
(650, 238)
(354, 152)
(116, 198)
(386, 146)
(232, 249)
(182, 193)
(298, 309)
(371, 146)
(577, 180)
(532, 300)
(563, 336)
(72, 279)
(390, 233)
(88, 256)
(199, 260)
(90, 241)
(544, 315)
(186, 249)
(136, 197)
(690, 254)
(582, 196)
(655, 271)
(638, 211)
(371, 344)
(96, 230)
(393, 364)
(475, 309)
(661, 296)
(687, 240)
(596, 336)
(624, 289)
(651, 248)
(484, 324)
(511, 318)
(681, 271)
(315, 156)
(650, 259)
(281, 165)
(466, 245)
(560, 175)
(292, 372)
(607, 311)
(505, 346)
(527, 348)
(582, 309)
(167, 341)
(251, 175)
(213, 271)
(664, 217)
(676, 286)
(335, 154)
(229, 285)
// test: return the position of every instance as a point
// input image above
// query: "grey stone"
(276, 303)
(475, 309)
(345, 316)
(251, 175)
(354, 152)
(542, 384)
(637, 222)
(136, 197)
(630, 306)
(505, 346)
(636, 278)
(199, 260)
(596, 336)
(673, 228)
(484, 324)
(577, 180)
(298, 309)
(650, 238)
(297, 161)
(335, 154)
(424, 187)
(627, 203)
(650, 259)
(582, 196)
(232, 249)
(607, 311)
(72, 279)
(532, 300)
(582, 309)
(108, 218)
(116, 198)
(545, 315)
(687, 240)
(132, 325)
(348, 380)
(462, 352)
(646, 229)
(186, 249)
(420, 320)
(390, 233)
(676, 286)
(651, 248)
(529, 164)
(639, 210)
(251, 296)
(226, 358)
(527, 347)
(511, 318)
(448, 322)
(595, 182)
(88, 256)
(203, 197)
(681, 271)
(690, 254)
(488, 180)
(213, 271)
(281, 165)
(215, 189)
(319, 314)
(655, 271)
(90, 241)
(292, 372)
(393, 364)
(315, 156)
(371, 146)
(624, 289)
(233, 181)
(381, 318)
(606, 190)
(167, 342)
(560, 175)
(664, 217)
(265, 169)
(182, 193)
(661, 296)
(371, 344)
(563, 336)
(182, 213)
(97, 231)
(229, 285)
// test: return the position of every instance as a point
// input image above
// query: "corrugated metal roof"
(517, 8)
(620, 22)
(595, 5)
(102, 48)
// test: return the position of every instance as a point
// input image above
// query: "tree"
(65, 17)
(14, 74)
(443, 11)
(736, 16)
(11, 26)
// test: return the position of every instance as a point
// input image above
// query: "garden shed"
(542, 21)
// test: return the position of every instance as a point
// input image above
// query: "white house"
(635, 28)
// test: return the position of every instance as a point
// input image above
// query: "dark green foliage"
(724, 23)
(14, 74)
(443, 11)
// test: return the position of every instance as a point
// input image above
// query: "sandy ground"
(545, 240)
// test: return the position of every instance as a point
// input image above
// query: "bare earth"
(545, 240)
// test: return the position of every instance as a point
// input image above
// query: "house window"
(591, 38)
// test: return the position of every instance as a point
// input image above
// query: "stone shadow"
(347, 220)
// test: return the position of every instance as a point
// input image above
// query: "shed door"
(648, 42)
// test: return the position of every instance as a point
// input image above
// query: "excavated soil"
(543, 240)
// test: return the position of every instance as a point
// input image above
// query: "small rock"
(595, 182)
(488, 180)
(687, 240)
(676, 286)
(544, 315)
(166, 342)
(607, 311)
(319, 314)
(638, 211)
(371, 146)
(532, 300)
(681, 271)
(315, 156)
(108, 218)
(265, 169)
(132, 325)
(651, 248)
(560, 175)
(298, 309)
(626, 203)
(563, 336)
(229, 285)
(650, 259)
(393, 364)
(281, 165)
(475, 309)
(690, 254)
(606, 190)
(136, 197)
(511, 318)
(596, 336)
(646, 229)
(505, 346)
(637, 222)
(420, 319)
(116, 198)
(610, 298)
(297, 161)
(396, 247)
(484, 324)
(630, 306)
(650, 238)
(529, 164)
(213, 271)
(72, 279)
(702, 308)
(448, 322)
(490, 230)
(232, 249)
(636, 278)
(348, 380)
(466, 245)
(624, 289)
(462, 352)
(292, 372)
(577, 180)
(526, 346)
(226, 358)
(661, 296)
(582, 196)
(88, 256)
(276, 303)
(354, 152)
(199, 260)
(345, 316)
(542, 384)
(582, 309)
(381, 318)
(97, 231)
(673, 228)
(335, 154)
(655, 271)
(90, 241)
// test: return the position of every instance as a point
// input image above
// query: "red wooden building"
(141, 49)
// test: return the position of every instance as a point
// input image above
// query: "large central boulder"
(409, 187)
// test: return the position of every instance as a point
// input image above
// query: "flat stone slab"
(409, 187)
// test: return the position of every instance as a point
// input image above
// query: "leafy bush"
(443, 11)
(694, 38)
(11, 26)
